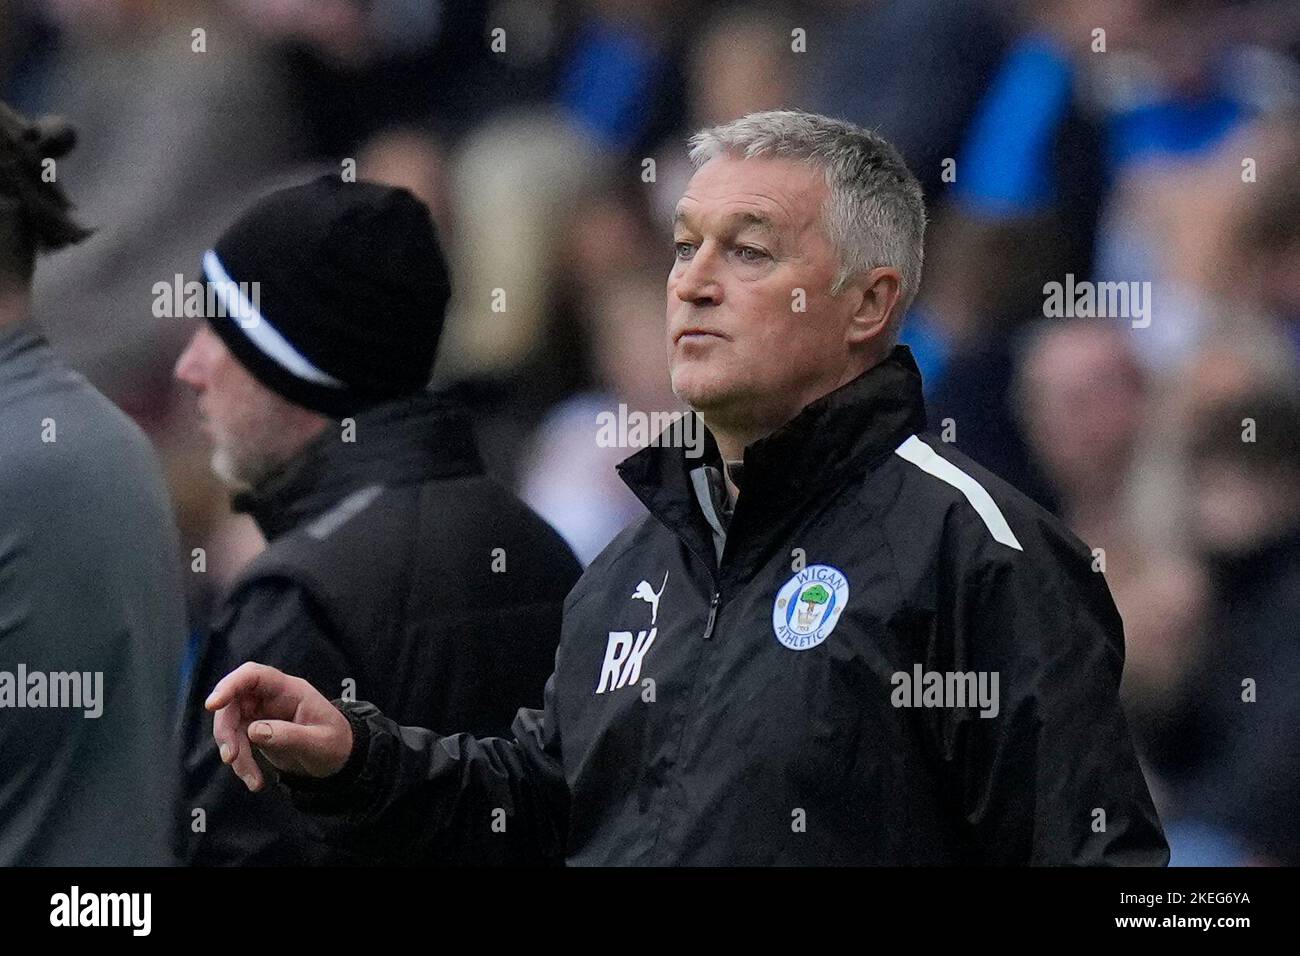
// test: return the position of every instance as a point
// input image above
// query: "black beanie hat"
(351, 291)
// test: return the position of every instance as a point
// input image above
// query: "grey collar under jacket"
(715, 505)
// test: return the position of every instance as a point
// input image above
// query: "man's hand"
(290, 723)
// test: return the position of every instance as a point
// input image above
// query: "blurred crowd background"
(1173, 157)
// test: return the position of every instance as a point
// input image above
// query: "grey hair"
(876, 213)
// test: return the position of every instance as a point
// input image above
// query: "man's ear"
(881, 290)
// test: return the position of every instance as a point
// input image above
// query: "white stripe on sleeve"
(925, 458)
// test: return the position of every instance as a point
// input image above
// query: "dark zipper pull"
(713, 614)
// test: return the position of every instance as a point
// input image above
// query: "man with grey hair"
(832, 640)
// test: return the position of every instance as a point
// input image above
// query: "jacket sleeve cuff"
(338, 784)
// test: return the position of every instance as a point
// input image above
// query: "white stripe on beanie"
(240, 310)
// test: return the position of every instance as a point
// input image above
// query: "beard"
(242, 466)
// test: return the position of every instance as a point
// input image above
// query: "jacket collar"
(21, 346)
(840, 436)
(405, 442)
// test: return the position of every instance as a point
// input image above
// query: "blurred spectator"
(972, 406)
(171, 138)
(513, 181)
(1259, 271)
(739, 62)
(619, 68)
(407, 157)
(569, 478)
(913, 70)
(356, 67)
(1085, 401)
(1242, 707)
(1095, 105)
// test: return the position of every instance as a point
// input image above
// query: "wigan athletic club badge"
(808, 606)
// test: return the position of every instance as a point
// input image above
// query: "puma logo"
(645, 593)
(625, 650)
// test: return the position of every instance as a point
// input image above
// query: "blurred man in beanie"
(92, 622)
(395, 569)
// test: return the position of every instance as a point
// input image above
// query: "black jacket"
(744, 711)
(396, 572)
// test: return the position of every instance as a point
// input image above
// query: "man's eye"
(751, 254)
(684, 250)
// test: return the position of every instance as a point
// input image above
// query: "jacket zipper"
(713, 614)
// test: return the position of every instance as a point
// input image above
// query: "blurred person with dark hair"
(413, 159)
(171, 132)
(734, 683)
(357, 67)
(914, 70)
(738, 61)
(90, 590)
(1265, 242)
(1241, 708)
(396, 569)
(609, 277)
(1086, 404)
(569, 475)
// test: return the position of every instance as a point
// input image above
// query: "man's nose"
(698, 281)
(190, 366)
